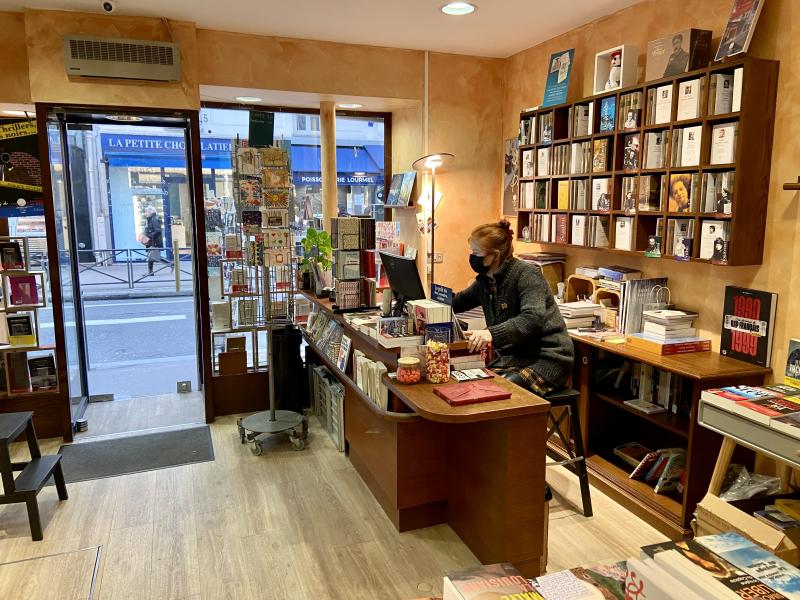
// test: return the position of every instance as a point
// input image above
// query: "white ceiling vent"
(119, 58)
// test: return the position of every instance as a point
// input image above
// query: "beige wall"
(14, 74)
(50, 83)
(696, 286)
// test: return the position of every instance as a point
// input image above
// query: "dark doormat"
(136, 453)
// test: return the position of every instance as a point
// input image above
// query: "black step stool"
(35, 473)
(576, 459)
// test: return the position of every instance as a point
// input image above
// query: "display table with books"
(478, 467)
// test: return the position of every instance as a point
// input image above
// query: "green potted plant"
(317, 254)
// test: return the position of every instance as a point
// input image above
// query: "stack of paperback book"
(710, 567)
(578, 314)
(777, 406)
(668, 332)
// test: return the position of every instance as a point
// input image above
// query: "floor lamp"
(430, 164)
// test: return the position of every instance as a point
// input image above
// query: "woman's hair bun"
(506, 226)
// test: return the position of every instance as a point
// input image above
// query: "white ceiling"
(498, 28)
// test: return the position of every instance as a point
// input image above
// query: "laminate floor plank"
(283, 525)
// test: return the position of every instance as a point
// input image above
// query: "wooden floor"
(144, 412)
(284, 525)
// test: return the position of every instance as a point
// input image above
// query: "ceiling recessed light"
(17, 113)
(124, 118)
(458, 8)
(359, 174)
(248, 99)
(350, 105)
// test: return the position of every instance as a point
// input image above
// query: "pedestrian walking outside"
(153, 239)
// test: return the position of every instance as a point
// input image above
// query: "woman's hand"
(478, 339)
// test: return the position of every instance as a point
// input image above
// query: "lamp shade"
(437, 161)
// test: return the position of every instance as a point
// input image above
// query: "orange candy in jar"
(408, 370)
(437, 362)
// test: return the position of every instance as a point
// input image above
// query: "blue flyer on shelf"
(441, 293)
(558, 75)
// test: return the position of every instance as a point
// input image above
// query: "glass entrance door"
(124, 212)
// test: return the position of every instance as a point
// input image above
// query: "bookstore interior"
(493, 303)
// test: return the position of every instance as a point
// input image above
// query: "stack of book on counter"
(578, 314)
(777, 406)
(432, 320)
(668, 332)
(710, 567)
(613, 276)
(397, 332)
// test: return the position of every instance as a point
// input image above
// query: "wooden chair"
(34, 473)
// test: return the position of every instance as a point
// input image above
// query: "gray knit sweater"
(526, 326)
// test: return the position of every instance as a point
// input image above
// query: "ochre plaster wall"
(14, 75)
(695, 286)
(50, 83)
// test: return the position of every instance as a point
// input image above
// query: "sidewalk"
(119, 281)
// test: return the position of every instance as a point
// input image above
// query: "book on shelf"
(739, 30)
(541, 195)
(497, 580)
(668, 332)
(720, 94)
(546, 128)
(563, 194)
(755, 561)
(579, 230)
(645, 342)
(623, 233)
(598, 230)
(684, 190)
(738, 79)
(528, 163)
(678, 53)
(23, 290)
(630, 110)
(561, 226)
(600, 155)
(630, 194)
(19, 377)
(21, 331)
(630, 154)
(11, 256)
(645, 406)
(691, 143)
(654, 149)
(526, 199)
(718, 192)
(748, 321)
(689, 95)
(608, 108)
(43, 374)
(581, 124)
(662, 109)
(680, 238)
(601, 194)
(631, 453)
(619, 273)
(543, 162)
(580, 192)
(776, 518)
(714, 240)
(723, 143)
(653, 248)
(651, 191)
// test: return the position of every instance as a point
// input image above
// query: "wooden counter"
(479, 468)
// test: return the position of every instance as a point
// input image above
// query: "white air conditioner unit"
(120, 58)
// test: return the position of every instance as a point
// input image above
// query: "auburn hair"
(496, 239)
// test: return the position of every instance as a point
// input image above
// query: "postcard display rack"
(593, 176)
(258, 280)
(23, 294)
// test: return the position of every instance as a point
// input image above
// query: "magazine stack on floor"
(710, 567)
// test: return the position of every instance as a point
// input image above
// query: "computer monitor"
(403, 279)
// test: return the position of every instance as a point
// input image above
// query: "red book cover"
(772, 407)
(561, 229)
(686, 348)
(23, 290)
(471, 392)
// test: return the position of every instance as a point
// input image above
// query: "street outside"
(136, 346)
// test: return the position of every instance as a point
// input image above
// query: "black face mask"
(476, 262)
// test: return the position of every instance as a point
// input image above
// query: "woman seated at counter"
(523, 322)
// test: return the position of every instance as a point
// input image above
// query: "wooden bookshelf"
(751, 169)
(608, 422)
